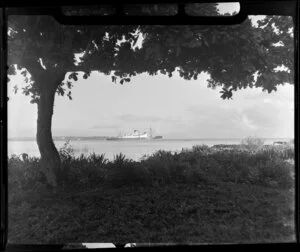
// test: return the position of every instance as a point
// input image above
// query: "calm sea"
(132, 149)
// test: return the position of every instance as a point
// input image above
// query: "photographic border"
(250, 7)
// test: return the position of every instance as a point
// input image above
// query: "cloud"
(267, 115)
(245, 122)
(212, 113)
(105, 126)
(267, 100)
(260, 113)
(235, 121)
(136, 118)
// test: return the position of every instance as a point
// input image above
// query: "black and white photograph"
(143, 134)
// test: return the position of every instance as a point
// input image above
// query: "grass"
(204, 195)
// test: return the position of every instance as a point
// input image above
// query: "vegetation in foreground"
(205, 194)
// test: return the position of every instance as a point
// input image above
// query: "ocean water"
(134, 149)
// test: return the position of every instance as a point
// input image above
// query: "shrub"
(163, 156)
(278, 171)
(236, 168)
(259, 168)
(159, 172)
(290, 153)
(253, 175)
(126, 172)
(263, 156)
(97, 160)
(81, 171)
(85, 171)
(66, 151)
(194, 175)
(201, 148)
(286, 151)
(190, 157)
(25, 174)
(179, 170)
(252, 144)
(283, 152)
(266, 166)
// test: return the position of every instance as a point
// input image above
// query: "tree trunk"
(50, 160)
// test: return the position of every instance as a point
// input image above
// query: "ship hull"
(131, 139)
(125, 139)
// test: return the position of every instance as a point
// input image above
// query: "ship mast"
(150, 132)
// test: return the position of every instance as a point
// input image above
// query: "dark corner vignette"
(296, 18)
(3, 130)
(247, 8)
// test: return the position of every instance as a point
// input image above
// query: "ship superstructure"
(136, 135)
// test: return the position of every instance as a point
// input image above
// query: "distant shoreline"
(80, 138)
(95, 138)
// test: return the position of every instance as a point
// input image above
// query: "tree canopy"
(235, 56)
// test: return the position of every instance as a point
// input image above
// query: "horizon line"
(172, 138)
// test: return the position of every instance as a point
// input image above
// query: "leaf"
(26, 91)
(60, 91)
(226, 93)
(69, 84)
(69, 95)
(24, 72)
(34, 100)
(135, 40)
(15, 89)
(73, 76)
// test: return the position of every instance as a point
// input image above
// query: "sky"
(172, 107)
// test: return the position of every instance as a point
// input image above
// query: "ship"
(136, 135)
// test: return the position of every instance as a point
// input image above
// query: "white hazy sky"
(173, 107)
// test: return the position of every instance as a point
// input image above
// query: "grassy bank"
(198, 195)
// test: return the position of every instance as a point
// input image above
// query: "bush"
(97, 160)
(260, 167)
(267, 167)
(158, 172)
(204, 149)
(164, 156)
(81, 171)
(252, 144)
(277, 171)
(25, 174)
(194, 175)
(284, 152)
(85, 171)
(178, 171)
(126, 172)
(253, 174)
(66, 151)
